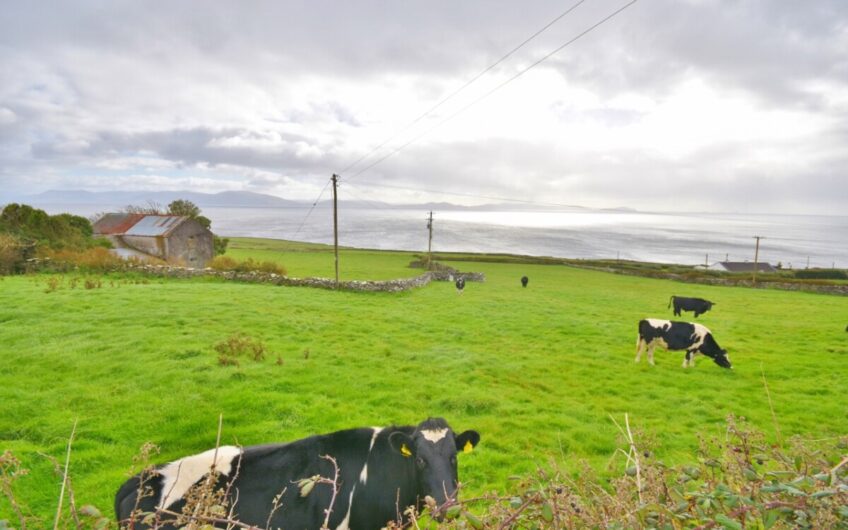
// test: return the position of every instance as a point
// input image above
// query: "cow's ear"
(401, 443)
(467, 441)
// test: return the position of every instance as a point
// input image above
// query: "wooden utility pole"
(430, 242)
(336, 225)
(707, 261)
(756, 258)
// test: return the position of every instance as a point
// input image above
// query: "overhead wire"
(440, 103)
(495, 89)
(314, 204)
(479, 99)
(464, 86)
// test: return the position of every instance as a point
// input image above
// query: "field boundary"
(392, 286)
(839, 290)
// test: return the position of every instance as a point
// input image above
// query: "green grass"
(536, 371)
(309, 259)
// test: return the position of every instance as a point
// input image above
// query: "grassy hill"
(536, 371)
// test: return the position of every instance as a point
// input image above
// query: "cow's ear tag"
(468, 447)
(404, 450)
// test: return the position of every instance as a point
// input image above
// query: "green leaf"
(770, 518)
(547, 512)
(728, 522)
(474, 521)
(822, 494)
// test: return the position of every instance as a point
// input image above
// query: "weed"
(53, 283)
(239, 345)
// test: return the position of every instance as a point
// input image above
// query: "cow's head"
(722, 359)
(432, 449)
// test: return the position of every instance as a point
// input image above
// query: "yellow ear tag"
(468, 447)
(404, 450)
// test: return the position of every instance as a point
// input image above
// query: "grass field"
(536, 371)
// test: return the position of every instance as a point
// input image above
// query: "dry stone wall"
(403, 284)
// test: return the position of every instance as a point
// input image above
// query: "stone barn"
(173, 238)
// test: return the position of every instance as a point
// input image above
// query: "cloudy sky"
(712, 105)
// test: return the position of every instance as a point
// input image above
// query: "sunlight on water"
(658, 237)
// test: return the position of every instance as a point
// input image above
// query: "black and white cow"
(460, 284)
(698, 305)
(524, 280)
(694, 338)
(381, 471)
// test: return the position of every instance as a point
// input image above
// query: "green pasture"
(536, 371)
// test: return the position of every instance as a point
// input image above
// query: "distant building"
(173, 238)
(741, 266)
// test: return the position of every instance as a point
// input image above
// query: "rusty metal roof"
(116, 223)
(155, 225)
(136, 224)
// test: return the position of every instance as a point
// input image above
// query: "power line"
(463, 109)
(314, 204)
(498, 87)
(464, 86)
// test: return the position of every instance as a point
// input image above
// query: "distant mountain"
(119, 199)
(116, 200)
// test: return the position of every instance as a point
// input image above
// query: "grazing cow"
(694, 338)
(460, 284)
(524, 280)
(381, 471)
(698, 305)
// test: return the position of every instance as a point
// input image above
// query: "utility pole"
(430, 242)
(756, 257)
(808, 262)
(336, 225)
(707, 261)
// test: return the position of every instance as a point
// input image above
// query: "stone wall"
(403, 284)
(835, 289)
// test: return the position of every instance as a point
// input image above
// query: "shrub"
(54, 231)
(13, 253)
(220, 244)
(821, 274)
(96, 259)
(223, 263)
(226, 263)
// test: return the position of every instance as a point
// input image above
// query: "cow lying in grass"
(381, 472)
(694, 338)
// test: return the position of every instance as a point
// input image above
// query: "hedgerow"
(735, 481)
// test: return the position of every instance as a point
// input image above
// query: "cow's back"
(261, 473)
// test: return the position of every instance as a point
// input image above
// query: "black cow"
(524, 280)
(381, 471)
(460, 284)
(698, 305)
(694, 338)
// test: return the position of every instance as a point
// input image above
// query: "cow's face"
(722, 359)
(433, 453)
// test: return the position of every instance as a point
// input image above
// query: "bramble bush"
(735, 481)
